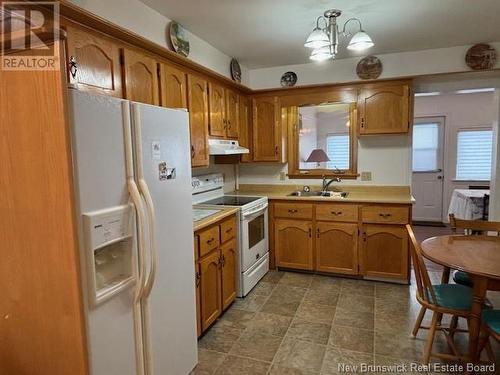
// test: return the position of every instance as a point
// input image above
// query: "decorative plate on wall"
(369, 67)
(235, 70)
(481, 56)
(178, 38)
(288, 79)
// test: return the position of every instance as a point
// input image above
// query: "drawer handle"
(336, 213)
(385, 215)
(292, 211)
(229, 230)
(210, 241)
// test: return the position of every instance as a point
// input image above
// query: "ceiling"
(264, 33)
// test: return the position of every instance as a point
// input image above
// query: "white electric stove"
(253, 252)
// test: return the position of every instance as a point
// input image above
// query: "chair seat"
(462, 278)
(492, 319)
(453, 296)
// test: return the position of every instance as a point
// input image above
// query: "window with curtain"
(425, 147)
(337, 149)
(474, 150)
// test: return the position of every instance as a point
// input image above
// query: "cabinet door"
(384, 109)
(293, 243)
(216, 102)
(173, 86)
(140, 78)
(337, 247)
(210, 285)
(229, 259)
(93, 62)
(232, 118)
(198, 120)
(267, 135)
(384, 251)
(245, 127)
(198, 298)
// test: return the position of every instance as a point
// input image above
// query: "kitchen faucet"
(327, 184)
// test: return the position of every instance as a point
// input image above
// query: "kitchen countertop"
(357, 194)
(212, 219)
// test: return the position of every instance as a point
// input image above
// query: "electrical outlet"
(282, 176)
(366, 176)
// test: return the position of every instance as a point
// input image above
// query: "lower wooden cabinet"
(384, 251)
(337, 247)
(229, 257)
(210, 284)
(293, 243)
(350, 239)
(215, 272)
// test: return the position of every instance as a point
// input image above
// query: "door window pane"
(425, 147)
(474, 149)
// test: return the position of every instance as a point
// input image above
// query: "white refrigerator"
(132, 174)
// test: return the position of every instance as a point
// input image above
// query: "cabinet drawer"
(209, 240)
(227, 229)
(385, 214)
(297, 211)
(337, 212)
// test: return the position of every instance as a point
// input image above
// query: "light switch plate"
(282, 176)
(366, 176)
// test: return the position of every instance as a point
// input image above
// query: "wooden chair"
(452, 299)
(489, 328)
(471, 227)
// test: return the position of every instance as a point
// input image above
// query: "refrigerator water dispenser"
(109, 243)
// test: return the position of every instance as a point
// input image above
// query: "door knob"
(440, 177)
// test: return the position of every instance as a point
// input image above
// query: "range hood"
(226, 147)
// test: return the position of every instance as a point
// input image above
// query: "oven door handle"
(260, 209)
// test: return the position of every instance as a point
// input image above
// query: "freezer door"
(100, 183)
(162, 158)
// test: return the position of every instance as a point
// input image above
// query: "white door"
(427, 177)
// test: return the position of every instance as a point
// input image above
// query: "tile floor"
(295, 323)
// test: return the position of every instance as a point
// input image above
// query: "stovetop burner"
(231, 200)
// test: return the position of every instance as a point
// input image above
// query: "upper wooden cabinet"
(198, 120)
(216, 100)
(93, 62)
(140, 77)
(223, 104)
(268, 137)
(232, 110)
(245, 127)
(173, 86)
(384, 109)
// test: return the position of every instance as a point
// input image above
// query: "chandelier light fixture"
(325, 41)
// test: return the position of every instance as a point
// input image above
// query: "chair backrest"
(424, 285)
(474, 226)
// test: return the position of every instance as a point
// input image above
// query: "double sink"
(331, 194)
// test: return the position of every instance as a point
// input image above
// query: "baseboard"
(429, 223)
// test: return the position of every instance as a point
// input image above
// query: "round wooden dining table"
(479, 256)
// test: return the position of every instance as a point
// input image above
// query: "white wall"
(461, 111)
(148, 23)
(386, 157)
(402, 64)
(494, 213)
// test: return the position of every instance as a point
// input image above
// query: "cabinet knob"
(310, 232)
(192, 151)
(317, 232)
(198, 278)
(276, 150)
(292, 211)
(210, 241)
(336, 213)
(385, 215)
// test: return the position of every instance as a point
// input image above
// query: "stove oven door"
(254, 236)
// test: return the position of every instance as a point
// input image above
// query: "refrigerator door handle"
(152, 234)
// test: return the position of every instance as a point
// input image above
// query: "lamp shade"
(360, 41)
(321, 54)
(317, 39)
(317, 156)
